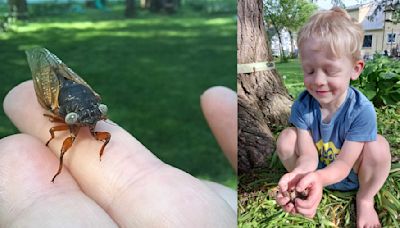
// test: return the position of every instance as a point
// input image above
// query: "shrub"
(380, 81)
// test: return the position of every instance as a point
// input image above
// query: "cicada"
(72, 102)
(291, 193)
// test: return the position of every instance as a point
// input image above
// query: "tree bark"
(130, 10)
(156, 5)
(263, 100)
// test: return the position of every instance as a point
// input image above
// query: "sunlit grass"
(292, 76)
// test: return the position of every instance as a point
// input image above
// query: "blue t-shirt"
(355, 120)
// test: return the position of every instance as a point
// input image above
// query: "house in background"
(380, 32)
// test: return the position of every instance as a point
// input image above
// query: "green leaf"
(395, 95)
(370, 94)
(388, 75)
(387, 100)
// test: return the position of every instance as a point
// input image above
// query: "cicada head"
(87, 116)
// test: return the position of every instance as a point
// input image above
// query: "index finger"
(288, 179)
(129, 178)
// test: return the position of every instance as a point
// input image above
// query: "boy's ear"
(358, 68)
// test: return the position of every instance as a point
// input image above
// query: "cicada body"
(72, 102)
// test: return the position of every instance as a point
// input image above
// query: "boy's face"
(327, 77)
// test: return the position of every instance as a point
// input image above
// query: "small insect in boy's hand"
(292, 194)
(72, 102)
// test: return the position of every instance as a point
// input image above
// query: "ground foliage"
(380, 81)
(258, 208)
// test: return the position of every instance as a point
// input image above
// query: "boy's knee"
(285, 145)
(377, 152)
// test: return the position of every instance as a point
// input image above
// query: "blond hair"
(336, 29)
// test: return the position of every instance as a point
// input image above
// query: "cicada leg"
(102, 136)
(56, 128)
(66, 145)
(55, 119)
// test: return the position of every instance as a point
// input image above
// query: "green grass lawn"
(258, 208)
(150, 71)
(292, 76)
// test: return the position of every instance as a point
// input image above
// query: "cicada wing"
(42, 64)
(46, 68)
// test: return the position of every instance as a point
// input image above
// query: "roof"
(370, 23)
(376, 21)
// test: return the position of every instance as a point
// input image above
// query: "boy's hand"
(308, 207)
(286, 183)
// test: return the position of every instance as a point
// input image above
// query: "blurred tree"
(263, 100)
(130, 9)
(18, 9)
(287, 15)
(170, 6)
(155, 5)
(387, 6)
(144, 4)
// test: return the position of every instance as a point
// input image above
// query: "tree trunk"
(263, 100)
(170, 6)
(156, 5)
(18, 9)
(143, 4)
(283, 55)
(293, 54)
(130, 10)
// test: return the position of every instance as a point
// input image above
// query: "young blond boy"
(334, 143)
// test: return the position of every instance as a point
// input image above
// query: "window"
(367, 41)
(391, 38)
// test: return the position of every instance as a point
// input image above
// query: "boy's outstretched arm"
(306, 162)
(333, 173)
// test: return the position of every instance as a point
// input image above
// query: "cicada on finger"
(72, 102)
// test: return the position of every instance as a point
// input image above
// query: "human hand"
(308, 207)
(130, 187)
(286, 184)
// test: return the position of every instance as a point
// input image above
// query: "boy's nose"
(320, 78)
